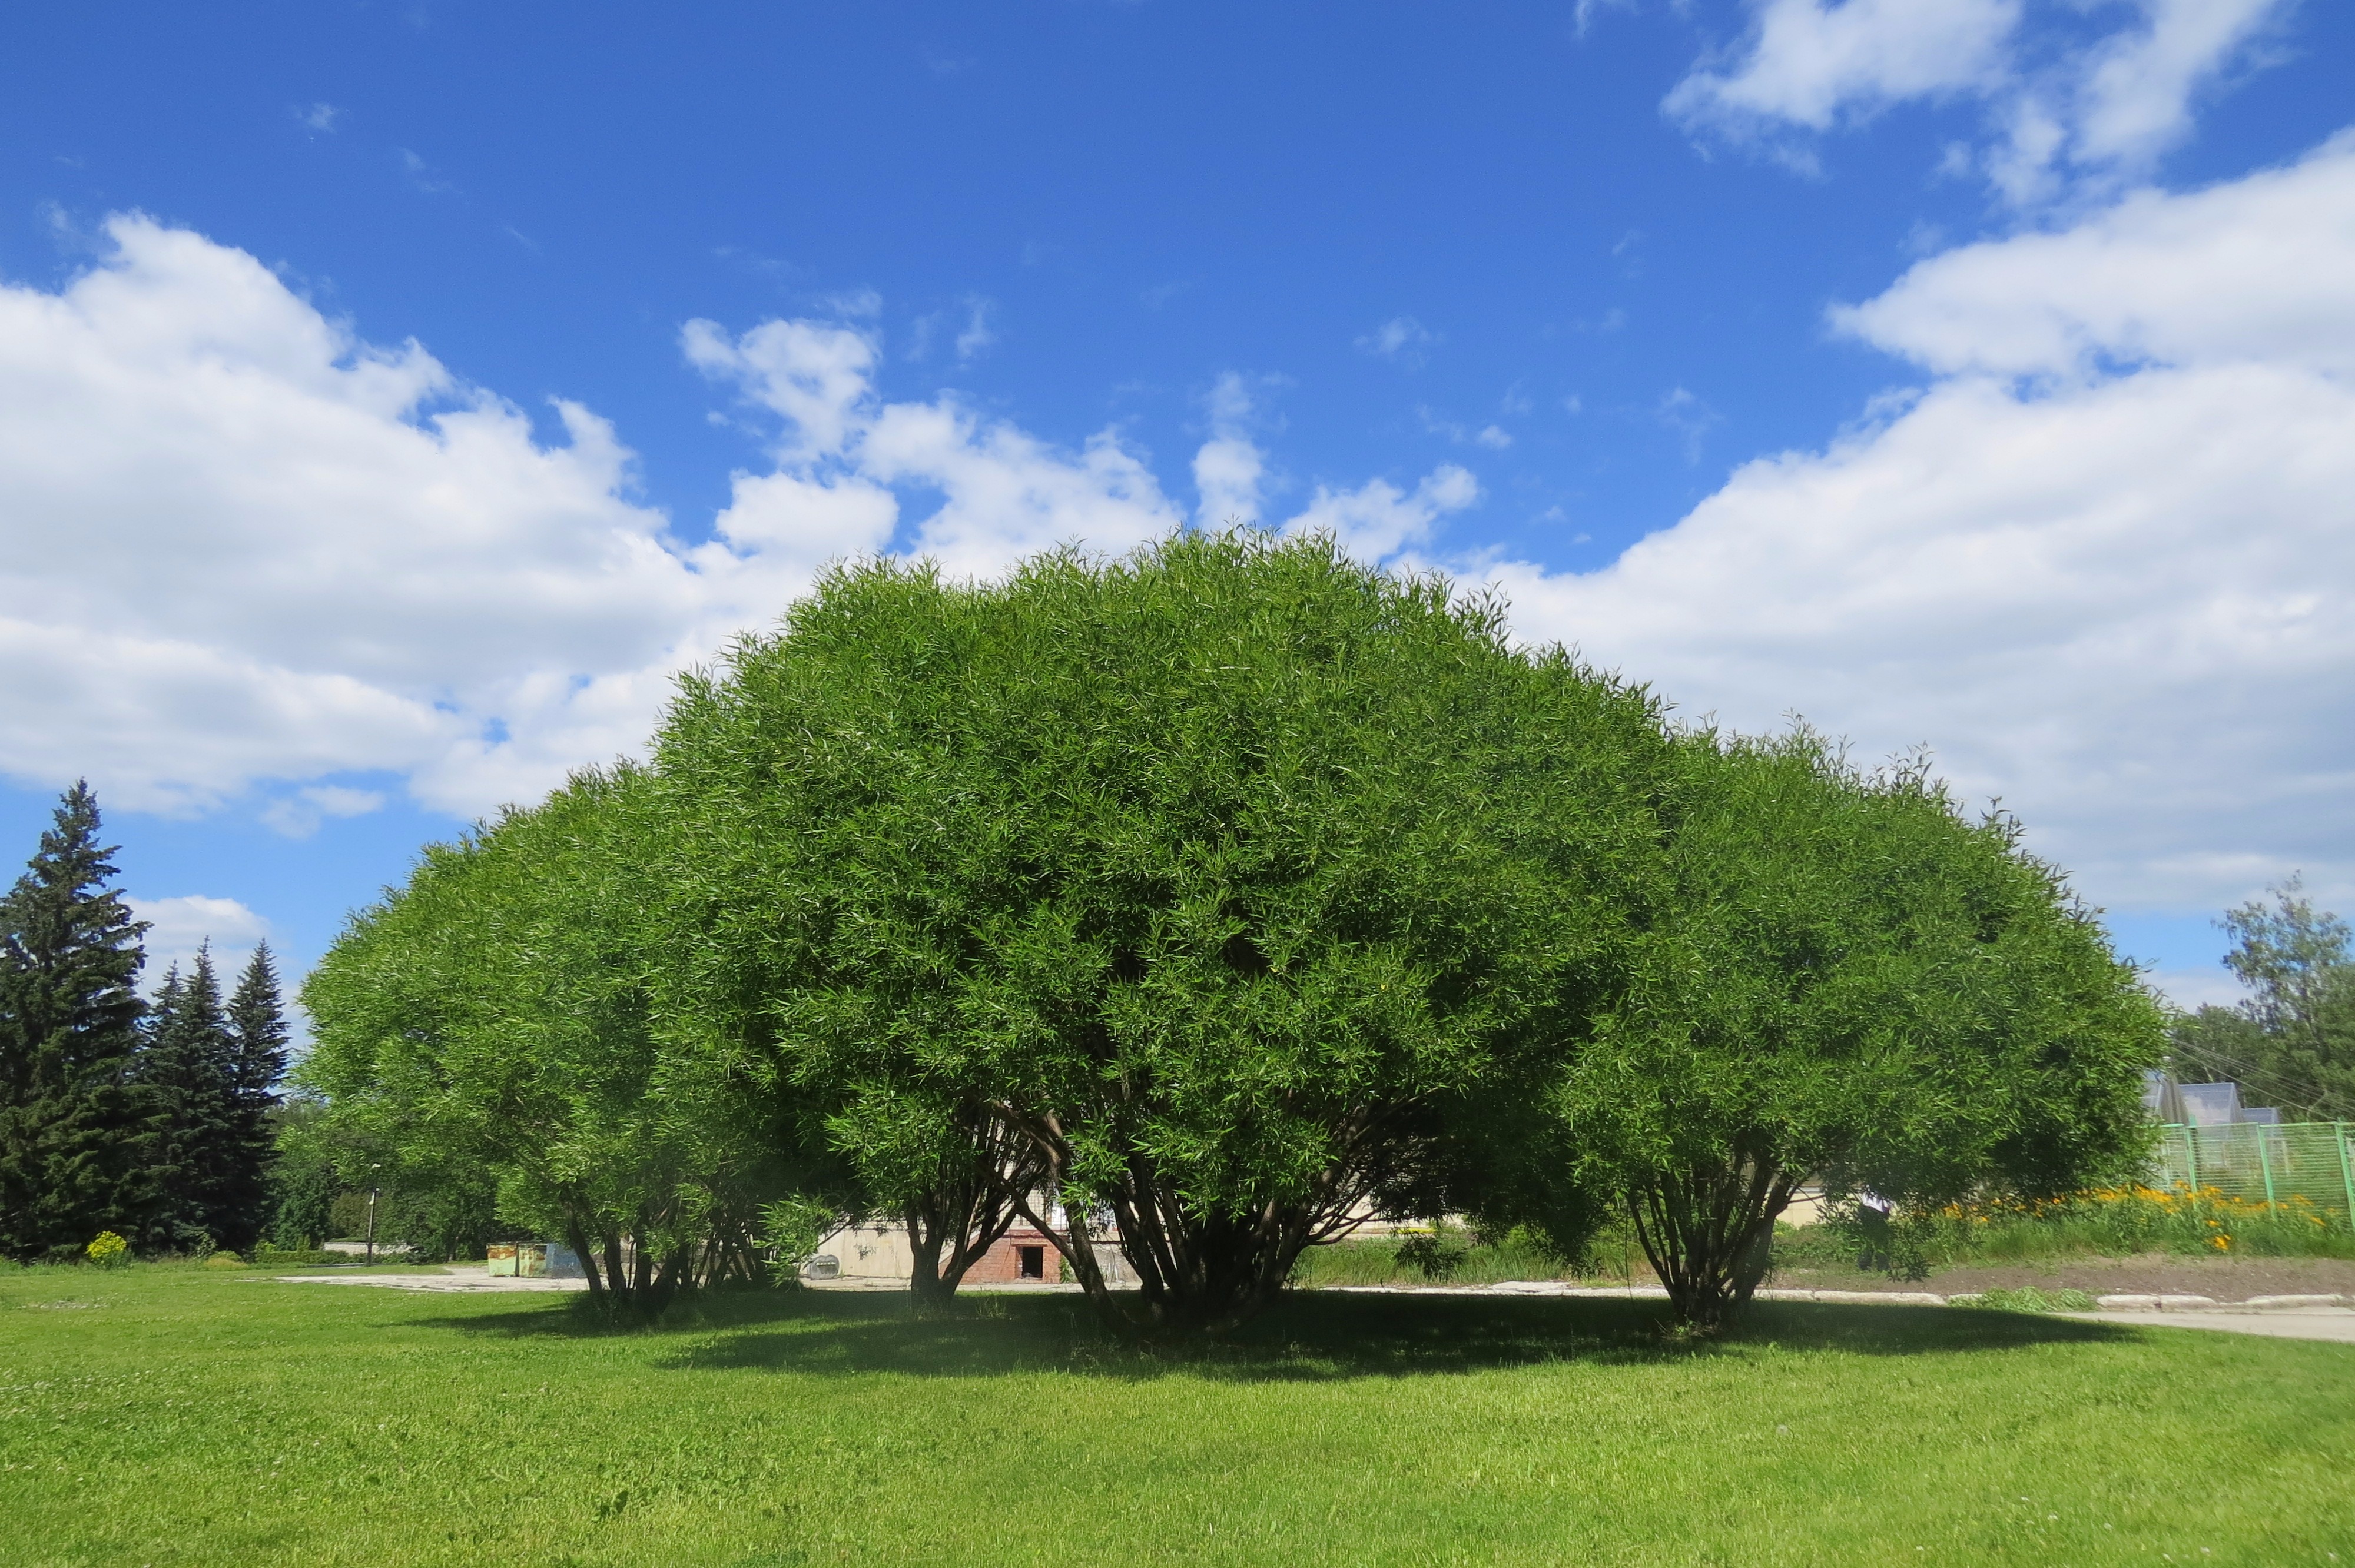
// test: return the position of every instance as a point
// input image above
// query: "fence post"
(2192, 1156)
(2346, 1171)
(2265, 1166)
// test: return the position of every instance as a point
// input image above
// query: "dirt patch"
(2150, 1274)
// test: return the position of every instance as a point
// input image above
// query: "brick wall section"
(1002, 1265)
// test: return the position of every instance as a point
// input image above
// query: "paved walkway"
(472, 1277)
(2335, 1324)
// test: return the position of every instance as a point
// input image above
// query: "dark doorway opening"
(1031, 1262)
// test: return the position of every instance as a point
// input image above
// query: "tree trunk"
(1708, 1232)
(1198, 1272)
(576, 1237)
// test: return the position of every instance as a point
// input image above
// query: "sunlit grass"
(159, 1416)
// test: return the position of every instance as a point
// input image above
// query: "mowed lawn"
(173, 1415)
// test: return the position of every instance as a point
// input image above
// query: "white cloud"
(2192, 989)
(1377, 519)
(843, 449)
(244, 544)
(250, 551)
(2064, 109)
(178, 928)
(2121, 596)
(1400, 338)
(321, 117)
(1229, 467)
(978, 333)
(1496, 437)
(1807, 62)
(298, 815)
(2253, 268)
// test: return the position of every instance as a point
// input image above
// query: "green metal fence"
(2261, 1164)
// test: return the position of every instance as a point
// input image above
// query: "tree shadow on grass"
(1309, 1336)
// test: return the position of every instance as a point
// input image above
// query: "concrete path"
(459, 1277)
(2335, 1324)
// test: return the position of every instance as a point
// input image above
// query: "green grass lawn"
(172, 1415)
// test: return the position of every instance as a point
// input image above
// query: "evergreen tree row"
(150, 1121)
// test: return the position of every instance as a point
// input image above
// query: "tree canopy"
(1204, 903)
(1842, 982)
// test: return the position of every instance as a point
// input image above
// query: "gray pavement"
(2334, 1324)
(458, 1278)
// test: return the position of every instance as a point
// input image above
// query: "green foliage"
(187, 1067)
(2292, 1043)
(304, 1182)
(484, 1033)
(1219, 871)
(1842, 981)
(791, 1232)
(72, 1121)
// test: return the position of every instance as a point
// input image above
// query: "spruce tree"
(189, 1069)
(256, 1060)
(73, 1120)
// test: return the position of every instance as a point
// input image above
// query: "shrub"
(109, 1251)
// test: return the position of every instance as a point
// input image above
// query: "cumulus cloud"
(244, 543)
(2253, 269)
(178, 928)
(1229, 467)
(250, 551)
(1809, 63)
(248, 546)
(2104, 563)
(298, 815)
(2069, 98)
(1376, 519)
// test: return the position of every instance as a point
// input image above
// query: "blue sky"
(1971, 373)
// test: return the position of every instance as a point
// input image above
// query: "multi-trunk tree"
(1205, 904)
(1841, 982)
(487, 1025)
(1212, 874)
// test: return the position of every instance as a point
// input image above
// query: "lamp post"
(371, 1222)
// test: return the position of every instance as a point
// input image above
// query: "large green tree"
(1842, 981)
(1215, 874)
(72, 1121)
(487, 1022)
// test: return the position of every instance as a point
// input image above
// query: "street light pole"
(371, 1228)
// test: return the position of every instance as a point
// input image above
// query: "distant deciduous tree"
(2292, 1043)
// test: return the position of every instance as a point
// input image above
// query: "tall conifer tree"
(188, 1068)
(71, 1118)
(256, 1060)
